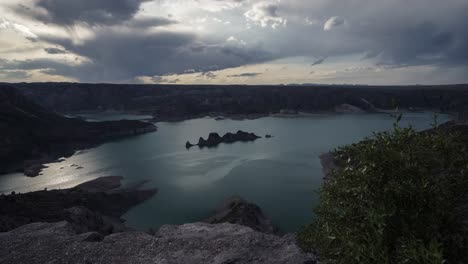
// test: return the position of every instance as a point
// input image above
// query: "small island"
(214, 139)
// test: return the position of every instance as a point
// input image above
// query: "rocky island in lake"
(214, 139)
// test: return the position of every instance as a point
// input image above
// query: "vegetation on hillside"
(398, 197)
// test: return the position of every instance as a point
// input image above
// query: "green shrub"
(398, 197)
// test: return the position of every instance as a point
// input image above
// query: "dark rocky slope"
(93, 206)
(176, 102)
(31, 135)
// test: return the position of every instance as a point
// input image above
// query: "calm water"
(110, 116)
(279, 174)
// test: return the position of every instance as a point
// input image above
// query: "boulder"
(188, 145)
(236, 210)
(328, 163)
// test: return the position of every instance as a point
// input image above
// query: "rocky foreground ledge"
(238, 232)
(189, 243)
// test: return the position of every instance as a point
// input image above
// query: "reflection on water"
(280, 174)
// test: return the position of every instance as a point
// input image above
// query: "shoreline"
(95, 205)
(33, 167)
(31, 135)
(243, 117)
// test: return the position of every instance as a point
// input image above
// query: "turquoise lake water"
(281, 174)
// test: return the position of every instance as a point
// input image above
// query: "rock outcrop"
(84, 220)
(236, 210)
(188, 145)
(189, 243)
(328, 163)
(214, 139)
(31, 135)
(93, 206)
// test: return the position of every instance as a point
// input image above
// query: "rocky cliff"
(175, 102)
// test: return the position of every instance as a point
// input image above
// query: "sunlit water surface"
(281, 174)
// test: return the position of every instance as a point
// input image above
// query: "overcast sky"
(235, 41)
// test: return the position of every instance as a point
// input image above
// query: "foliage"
(397, 197)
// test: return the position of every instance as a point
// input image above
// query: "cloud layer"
(65, 12)
(123, 40)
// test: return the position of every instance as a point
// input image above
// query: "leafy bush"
(398, 197)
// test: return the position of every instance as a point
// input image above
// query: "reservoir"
(281, 174)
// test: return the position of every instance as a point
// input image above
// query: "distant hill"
(186, 101)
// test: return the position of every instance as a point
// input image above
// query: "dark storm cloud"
(69, 12)
(270, 10)
(419, 44)
(150, 22)
(236, 1)
(32, 64)
(246, 55)
(319, 61)
(397, 33)
(55, 51)
(116, 55)
(245, 74)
